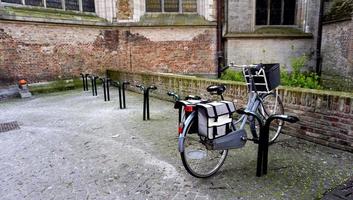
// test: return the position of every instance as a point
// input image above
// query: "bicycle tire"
(270, 106)
(199, 161)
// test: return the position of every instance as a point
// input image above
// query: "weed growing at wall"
(341, 9)
(233, 75)
(296, 78)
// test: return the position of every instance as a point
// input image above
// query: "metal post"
(92, 84)
(148, 100)
(148, 104)
(83, 81)
(124, 83)
(107, 87)
(95, 85)
(104, 91)
(144, 103)
(120, 103)
(86, 75)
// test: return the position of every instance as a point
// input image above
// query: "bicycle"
(202, 157)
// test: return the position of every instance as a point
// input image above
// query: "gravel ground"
(71, 145)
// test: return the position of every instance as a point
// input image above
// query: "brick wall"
(325, 117)
(44, 52)
(337, 52)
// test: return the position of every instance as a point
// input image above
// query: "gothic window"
(54, 4)
(275, 12)
(72, 5)
(12, 1)
(180, 6)
(87, 5)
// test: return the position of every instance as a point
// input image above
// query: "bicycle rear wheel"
(199, 161)
(272, 104)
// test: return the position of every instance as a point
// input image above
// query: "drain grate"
(4, 127)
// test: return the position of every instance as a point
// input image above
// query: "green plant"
(296, 78)
(233, 75)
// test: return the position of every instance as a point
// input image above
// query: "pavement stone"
(72, 145)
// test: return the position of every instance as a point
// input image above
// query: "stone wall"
(246, 44)
(44, 52)
(337, 52)
(267, 50)
(325, 117)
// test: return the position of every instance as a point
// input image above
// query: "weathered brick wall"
(325, 117)
(44, 52)
(337, 52)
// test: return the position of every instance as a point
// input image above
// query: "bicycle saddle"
(216, 89)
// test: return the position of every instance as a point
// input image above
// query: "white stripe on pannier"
(214, 118)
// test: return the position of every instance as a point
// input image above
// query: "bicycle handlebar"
(253, 66)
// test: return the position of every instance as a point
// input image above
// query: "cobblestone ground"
(71, 145)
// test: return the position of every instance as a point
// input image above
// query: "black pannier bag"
(214, 118)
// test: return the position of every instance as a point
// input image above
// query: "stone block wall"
(267, 50)
(325, 117)
(337, 52)
(43, 52)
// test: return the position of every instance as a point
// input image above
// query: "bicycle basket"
(266, 79)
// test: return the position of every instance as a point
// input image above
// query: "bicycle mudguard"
(232, 140)
(182, 135)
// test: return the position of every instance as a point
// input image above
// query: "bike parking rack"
(121, 89)
(262, 153)
(106, 84)
(124, 87)
(84, 81)
(93, 83)
(146, 99)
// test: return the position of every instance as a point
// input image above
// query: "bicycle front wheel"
(199, 161)
(272, 104)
